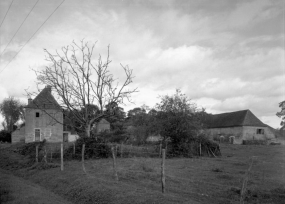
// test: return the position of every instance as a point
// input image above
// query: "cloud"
(226, 56)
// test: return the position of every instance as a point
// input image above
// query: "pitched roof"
(232, 119)
(44, 100)
(103, 121)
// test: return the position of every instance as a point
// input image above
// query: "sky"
(224, 55)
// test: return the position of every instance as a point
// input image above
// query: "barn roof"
(44, 100)
(233, 119)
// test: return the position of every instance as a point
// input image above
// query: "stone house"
(238, 126)
(43, 120)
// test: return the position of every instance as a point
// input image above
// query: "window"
(37, 114)
(37, 135)
(260, 131)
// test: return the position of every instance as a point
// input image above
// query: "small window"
(260, 131)
(37, 114)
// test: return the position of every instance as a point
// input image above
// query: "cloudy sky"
(226, 55)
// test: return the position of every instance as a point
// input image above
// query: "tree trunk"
(87, 130)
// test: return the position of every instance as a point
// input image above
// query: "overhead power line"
(32, 36)
(6, 13)
(19, 27)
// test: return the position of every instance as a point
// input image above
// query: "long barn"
(239, 125)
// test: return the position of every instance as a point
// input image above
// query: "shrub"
(192, 148)
(113, 137)
(254, 142)
(29, 149)
(95, 147)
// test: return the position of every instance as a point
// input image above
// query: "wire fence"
(153, 169)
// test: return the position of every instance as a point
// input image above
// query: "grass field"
(191, 180)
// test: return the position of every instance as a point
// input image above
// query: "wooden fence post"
(160, 148)
(163, 171)
(121, 150)
(45, 155)
(114, 163)
(73, 148)
(61, 156)
(37, 153)
(244, 184)
(50, 154)
(83, 163)
(166, 148)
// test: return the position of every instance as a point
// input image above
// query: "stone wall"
(241, 133)
(250, 133)
(215, 133)
(50, 129)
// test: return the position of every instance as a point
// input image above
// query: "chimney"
(29, 101)
(48, 87)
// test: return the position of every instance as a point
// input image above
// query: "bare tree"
(80, 84)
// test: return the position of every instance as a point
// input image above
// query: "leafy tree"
(78, 81)
(12, 110)
(117, 117)
(177, 120)
(136, 111)
(281, 114)
(143, 123)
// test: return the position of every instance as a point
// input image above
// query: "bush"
(29, 149)
(192, 148)
(113, 137)
(5, 136)
(95, 147)
(254, 142)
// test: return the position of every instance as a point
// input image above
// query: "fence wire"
(143, 166)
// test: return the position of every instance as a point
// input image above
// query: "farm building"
(43, 120)
(101, 126)
(238, 126)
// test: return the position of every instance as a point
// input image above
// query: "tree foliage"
(142, 122)
(178, 120)
(12, 110)
(281, 114)
(81, 83)
(116, 117)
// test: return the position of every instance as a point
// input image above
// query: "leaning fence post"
(37, 153)
(121, 150)
(83, 163)
(50, 154)
(114, 163)
(160, 148)
(163, 171)
(61, 156)
(166, 148)
(45, 155)
(244, 184)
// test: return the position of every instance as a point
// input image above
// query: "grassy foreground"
(192, 180)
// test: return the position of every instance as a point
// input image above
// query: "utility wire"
(32, 36)
(19, 27)
(6, 13)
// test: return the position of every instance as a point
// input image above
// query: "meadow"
(188, 180)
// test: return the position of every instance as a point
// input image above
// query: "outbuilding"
(236, 127)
